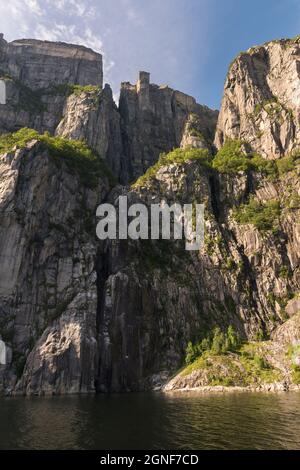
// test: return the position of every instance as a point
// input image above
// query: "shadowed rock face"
(261, 99)
(154, 119)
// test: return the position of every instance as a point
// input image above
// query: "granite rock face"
(37, 75)
(78, 315)
(154, 120)
(94, 117)
(261, 99)
(48, 281)
(39, 79)
(41, 64)
(150, 120)
(157, 296)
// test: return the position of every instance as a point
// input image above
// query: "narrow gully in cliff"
(103, 272)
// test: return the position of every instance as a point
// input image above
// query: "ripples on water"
(152, 421)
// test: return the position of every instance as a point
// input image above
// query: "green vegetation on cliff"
(264, 216)
(78, 157)
(202, 156)
(232, 158)
(294, 355)
(29, 100)
(17, 139)
(223, 360)
(216, 343)
(70, 89)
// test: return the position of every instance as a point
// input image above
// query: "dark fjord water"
(152, 421)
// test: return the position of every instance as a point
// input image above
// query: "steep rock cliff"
(79, 315)
(154, 120)
(94, 117)
(261, 99)
(48, 294)
(40, 64)
(157, 296)
(38, 76)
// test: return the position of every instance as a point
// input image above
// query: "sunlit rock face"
(262, 98)
(39, 64)
(37, 76)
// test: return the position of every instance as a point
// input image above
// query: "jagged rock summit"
(261, 99)
(58, 87)
(157, 119)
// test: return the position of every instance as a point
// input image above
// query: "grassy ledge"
(70, 89)
(232, 158)
(78, 157)
(222, 359)
(264, 216)
(180, 156)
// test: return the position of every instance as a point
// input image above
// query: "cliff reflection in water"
(152, 421)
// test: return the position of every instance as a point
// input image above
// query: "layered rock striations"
(57, 87)
(261, 99)
(154, 120)
(94, 117)
(48, 293)
(40, 64)
(37, 76)
(157, 297)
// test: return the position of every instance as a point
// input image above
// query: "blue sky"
(187, 44)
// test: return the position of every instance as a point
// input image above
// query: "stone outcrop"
(41, 64)
(37, 76)
(40, 79)
(48, 281)
(279, 358)
(94, 117)
(261, 99)
(151, 119)
(154, 120)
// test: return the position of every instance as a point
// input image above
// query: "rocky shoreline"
(266, 388)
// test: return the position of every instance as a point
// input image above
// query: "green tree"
(232, 339)
(219, 342)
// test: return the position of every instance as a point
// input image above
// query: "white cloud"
(69, 33)
(134, 34)
(83, 9)
(34, 6)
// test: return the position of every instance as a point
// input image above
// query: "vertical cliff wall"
(38, 76)
(154, 119)
(40, 64)
(261, 99)
(94, 117)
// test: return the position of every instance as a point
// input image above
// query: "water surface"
(152, 421)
